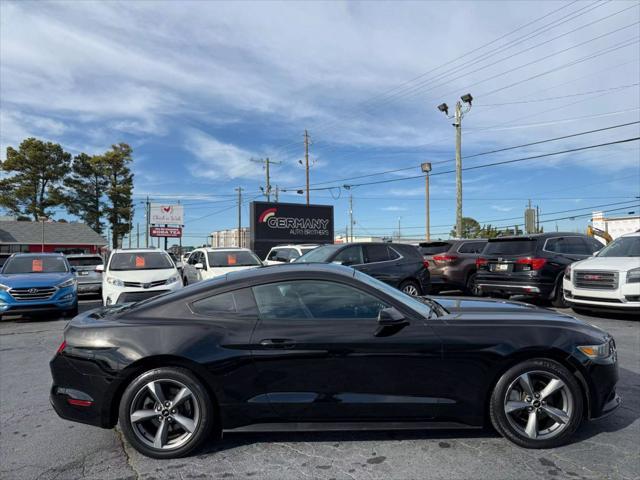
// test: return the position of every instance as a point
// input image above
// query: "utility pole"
(147, 215)
(277, 192)
(399, 233)
(138, 235)
(458, 115)
(267, 188)
(239, 190)
(426, 168)
(537, 219)
(306, 162)
(351, 214)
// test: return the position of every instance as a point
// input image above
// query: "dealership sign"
(166, 214)
(276, 223)
(171, 232)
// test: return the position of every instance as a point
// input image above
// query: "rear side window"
(239, 302)
(522, 246)
(568, 245)
(350, 256)
(433, 248)
(472, 247)
(376, 253)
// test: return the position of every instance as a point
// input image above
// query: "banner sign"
(166, 214)
(171, 232)
(279, 223)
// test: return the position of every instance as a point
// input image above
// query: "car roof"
(632, 234)
(81, 255)
(39, 254)
(134, 250)
(223, 249)
(536, 236)
(289, 268)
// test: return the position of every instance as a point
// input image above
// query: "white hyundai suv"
(610, 280)
(135, 274)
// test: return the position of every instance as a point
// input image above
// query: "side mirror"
(338, 262)
(99, 268)
(292, 260)
(390, 317)
(199, 266)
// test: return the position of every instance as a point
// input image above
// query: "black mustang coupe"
(316, 346)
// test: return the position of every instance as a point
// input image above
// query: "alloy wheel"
(411, 290)
(164, 414)
(538, 405)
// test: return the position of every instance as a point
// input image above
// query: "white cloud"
(502, 208)
(393, 208)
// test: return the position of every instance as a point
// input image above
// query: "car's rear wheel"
(166, 413)
(411, 288)
(471, 287)
(537, 404)
(558, 300)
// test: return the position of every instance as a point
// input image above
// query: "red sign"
(172, 232)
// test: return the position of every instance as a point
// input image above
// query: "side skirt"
(349, 426)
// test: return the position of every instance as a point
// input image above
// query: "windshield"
(85, 261)
(35, 264)
(140, 261)
(622, 247)
(523, 246)
(231, 258)
(411, 302)
(318, 255)
(306, 249)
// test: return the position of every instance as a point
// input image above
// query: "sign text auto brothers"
(278, 223)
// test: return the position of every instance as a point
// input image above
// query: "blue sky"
(198, 89)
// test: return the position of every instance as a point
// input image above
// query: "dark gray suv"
(452, 263)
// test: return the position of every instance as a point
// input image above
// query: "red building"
(49, 237)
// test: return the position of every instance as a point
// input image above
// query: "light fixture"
(426, 167)
(467, 98)
(444, 108)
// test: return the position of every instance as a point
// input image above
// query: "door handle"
(277, 343)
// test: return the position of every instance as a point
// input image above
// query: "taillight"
(79, 403)
(481, 262)
(534, 263)
(426, 264)
(445, 258)
(61, 348)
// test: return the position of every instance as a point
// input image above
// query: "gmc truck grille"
(36, 293)
(595, 280)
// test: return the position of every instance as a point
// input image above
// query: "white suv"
(134, 274)
(610, 280)
(287, 253)
(206, 263)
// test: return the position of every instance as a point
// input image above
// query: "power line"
(395, 170)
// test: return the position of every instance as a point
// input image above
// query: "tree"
(38, 170)
(86, 186)
(470, 228)
(119, 209)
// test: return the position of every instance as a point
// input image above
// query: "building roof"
(55, 233)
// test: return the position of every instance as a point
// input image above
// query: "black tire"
(410, 286)
(199, 401)
(558, 300)
(185, 282)
(73, 312)
(470, 287)
(570, 395)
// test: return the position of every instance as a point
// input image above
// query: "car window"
(349, 256)
(376, 253)
(472, 247)
(594, 245)
(622, 247)
(293, 254)
(140, 261)
(272, 254)
(85, 261)
(193, 258)
(232, 258)
(433, 248)
(310, 299)
(567, 245)
(393, 255)
(35, 264)
(520, 246)
(236, 302)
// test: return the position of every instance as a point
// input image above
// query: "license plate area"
(83, 273)
(501, 267)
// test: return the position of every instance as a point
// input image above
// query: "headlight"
(116, 282)
(633, 276)
(173, 279)
(599, 352)
(4, 288)
(69, 283)
(567, 272)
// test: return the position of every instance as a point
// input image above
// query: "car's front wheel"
(537, 404)
(166, 413)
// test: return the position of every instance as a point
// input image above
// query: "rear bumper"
(531, 288)
(89, 287)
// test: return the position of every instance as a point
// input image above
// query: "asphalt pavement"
(36, 444)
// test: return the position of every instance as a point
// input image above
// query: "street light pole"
(457, 123)
(426, 168)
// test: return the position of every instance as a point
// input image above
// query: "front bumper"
(62, 300)
(112, 295)
(621, 299)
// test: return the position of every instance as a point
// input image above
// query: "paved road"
(36, 444)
